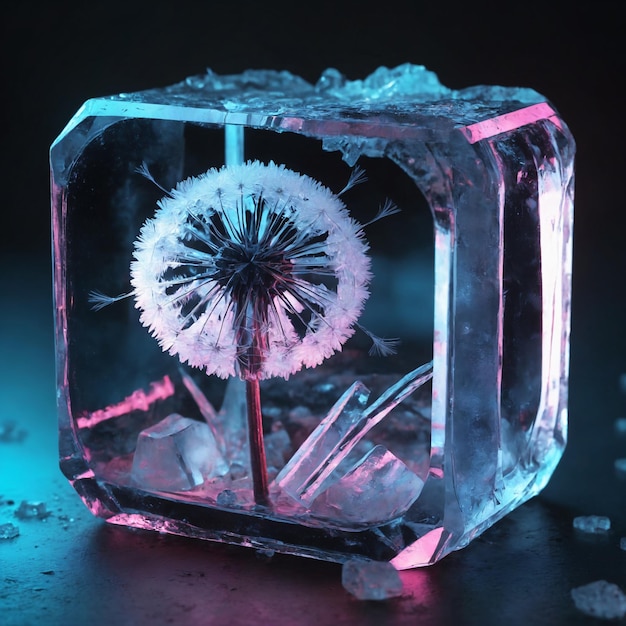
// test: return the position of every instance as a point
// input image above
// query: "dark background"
(57, 55)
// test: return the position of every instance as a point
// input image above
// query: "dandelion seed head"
(253, 270)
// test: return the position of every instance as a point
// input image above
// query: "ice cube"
(371, 580)
(277, 449)
(594, 524)
(176, 454)
(9, 531)
(32, 510)
(600, 599)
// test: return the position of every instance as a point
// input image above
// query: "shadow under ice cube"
(176, 454)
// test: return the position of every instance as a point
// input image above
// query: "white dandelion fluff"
(251, 270)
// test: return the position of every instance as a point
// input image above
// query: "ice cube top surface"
(408, 97)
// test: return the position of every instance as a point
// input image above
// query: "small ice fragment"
(620, 426)
(620, 468)
(379, 488)
(600, 599)
(371, 580)
(202, 402)
(595, 524)
(227, 498)
(265, 555)
(9, 531)
(32, 510)
(622, 543)
(309, 471)
(176, 454)
(9, 433)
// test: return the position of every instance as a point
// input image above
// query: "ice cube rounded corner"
(437, 399)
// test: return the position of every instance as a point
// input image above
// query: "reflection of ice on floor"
(176, 454)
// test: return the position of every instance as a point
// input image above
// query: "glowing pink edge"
(510, 121)
(139, 400)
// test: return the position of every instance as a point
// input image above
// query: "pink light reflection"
(420, 553)
(509, 121)
(139, 400)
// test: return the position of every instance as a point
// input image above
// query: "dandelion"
(252, 270)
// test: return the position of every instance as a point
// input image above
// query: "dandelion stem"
(258, 462)
(257, 446)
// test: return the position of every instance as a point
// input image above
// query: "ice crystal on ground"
(620, 468)
(594, 524)
(371, 580)
(32, 510)
(600, 599)
(9, 531)
(622, 543)
(9, 433)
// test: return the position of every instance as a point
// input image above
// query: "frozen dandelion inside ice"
(251, 270)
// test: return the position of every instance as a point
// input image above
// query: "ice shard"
(309, 471)
(379, 488)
